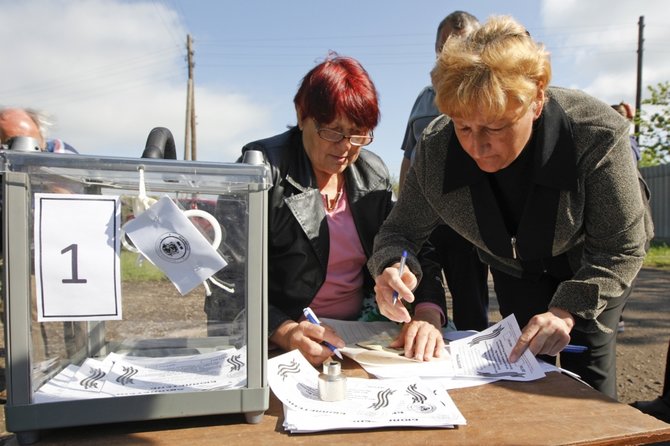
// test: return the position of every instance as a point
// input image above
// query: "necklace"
(330, 205)
(338, 182)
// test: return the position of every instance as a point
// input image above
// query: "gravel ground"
(641, 347)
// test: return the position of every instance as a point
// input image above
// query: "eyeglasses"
(335, 136)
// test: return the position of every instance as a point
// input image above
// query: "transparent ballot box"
(134, 289)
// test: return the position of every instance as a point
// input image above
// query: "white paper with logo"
(165, 236)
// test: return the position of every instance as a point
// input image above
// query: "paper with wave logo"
(369, 403)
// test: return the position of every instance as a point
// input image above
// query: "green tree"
(655, 126)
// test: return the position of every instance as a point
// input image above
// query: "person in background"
(541, 181)
(28, 122)
(465, 273)
(328, 198)
(25, 122)
(625, 110)
(659, 407)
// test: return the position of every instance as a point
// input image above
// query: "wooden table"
(554, 410)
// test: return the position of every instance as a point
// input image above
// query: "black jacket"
(298, 238)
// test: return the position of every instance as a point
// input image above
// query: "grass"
(658, 256)
(134, 271)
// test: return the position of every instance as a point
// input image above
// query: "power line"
(180, 12)
(140, 63)
(87, 92)
(160, 10)
(241, 53)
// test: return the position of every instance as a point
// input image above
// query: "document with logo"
(485, 354)
(368, 403)
(165, 236)
(208, 371)
(121, 375)
(472, 358)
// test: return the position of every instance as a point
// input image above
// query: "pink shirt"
(341, 295)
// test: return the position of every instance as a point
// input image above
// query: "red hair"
(338, 86)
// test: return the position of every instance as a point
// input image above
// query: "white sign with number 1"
(77, 258)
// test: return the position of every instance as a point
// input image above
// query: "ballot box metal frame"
(20, 174)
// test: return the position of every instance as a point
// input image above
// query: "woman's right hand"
(386, 284)
(308, 338)
(545, 334)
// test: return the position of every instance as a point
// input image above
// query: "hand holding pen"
(395, 282)
(309, 314)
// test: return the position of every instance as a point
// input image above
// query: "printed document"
(477, 358)
(485, 354)
(119, 375)
(369, 403)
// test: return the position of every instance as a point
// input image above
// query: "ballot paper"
(119, 375)
(368, 344)
(473, 358)
(369, 403)
(485, 354)
(58, 388)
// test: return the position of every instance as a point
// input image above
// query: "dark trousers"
(466, 278)
(666, 379)
(527, 297)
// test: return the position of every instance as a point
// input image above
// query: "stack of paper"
(369, 403)
(118, 375)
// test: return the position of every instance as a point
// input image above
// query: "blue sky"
(108, 71)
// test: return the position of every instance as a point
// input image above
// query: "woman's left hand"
(421, 337)
(546, 334)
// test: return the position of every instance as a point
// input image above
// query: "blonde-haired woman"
(541, 181)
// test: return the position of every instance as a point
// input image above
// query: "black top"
(511, 186)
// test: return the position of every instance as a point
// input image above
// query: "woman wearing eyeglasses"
(328, 199)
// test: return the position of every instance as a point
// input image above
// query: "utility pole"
(638, 92)
(191, 66)
(189, 132)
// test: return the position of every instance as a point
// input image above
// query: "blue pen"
(403, 260)
(309, 314)
(574, 349)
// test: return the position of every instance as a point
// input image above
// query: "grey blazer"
(585, 205)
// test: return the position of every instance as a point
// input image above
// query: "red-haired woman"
(328, 199)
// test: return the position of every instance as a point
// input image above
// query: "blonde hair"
(493, 66)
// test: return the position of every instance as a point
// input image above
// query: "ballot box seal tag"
(168, 239)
